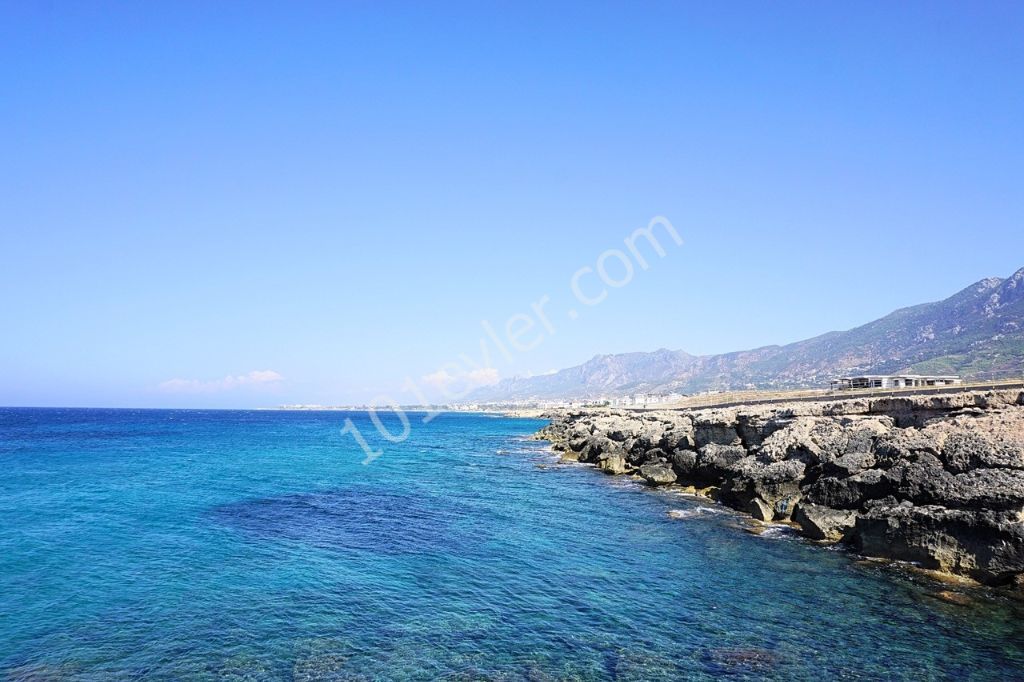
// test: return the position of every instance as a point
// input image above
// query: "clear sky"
(244, 204)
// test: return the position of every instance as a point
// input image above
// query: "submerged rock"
(738, 660)
(951, 597)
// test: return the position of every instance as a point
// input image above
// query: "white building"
(894, 381)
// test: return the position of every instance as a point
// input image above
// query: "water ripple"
(353, 518)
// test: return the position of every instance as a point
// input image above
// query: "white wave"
(777, 532)
(694, 512)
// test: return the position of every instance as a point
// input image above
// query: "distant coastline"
(520, 413)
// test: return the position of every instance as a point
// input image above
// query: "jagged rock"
(716, 428)
(596, 446)
(823, 523)
(684, 462)
(848, 493)
(649, 433)
(655, 455)
(678, 433)
(919, 479)
(753, 429)
(613, 464)
(998, 489)
(715, 462)
(776, 486)
(658, 474)
(987, 546)
(937, 479)
(964, 451)
(849, 464)
(577, 443)
(904, 444)
(817, 440)
(760, 510)
(620, 435)
(923, 480)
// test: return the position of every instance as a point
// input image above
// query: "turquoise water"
(256, 546)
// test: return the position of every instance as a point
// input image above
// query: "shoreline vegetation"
(933, 480)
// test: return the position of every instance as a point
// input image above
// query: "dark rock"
(903, 444)
(823, 523)
(997, 489)
(655, 455)
(768, 491)
(678, 434)
(920, 479)
(934, 479)
(754, 429)
(674, 440)
(760, 509)
(578, 443)
(716, 429)
(967, 450)
(658, 474)
(715, 462)
(849, 464)
(684, 462)
(985, 545)
(850, 492)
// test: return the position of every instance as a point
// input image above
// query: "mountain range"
(978, 332)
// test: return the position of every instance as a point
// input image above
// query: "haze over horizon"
(238, 207)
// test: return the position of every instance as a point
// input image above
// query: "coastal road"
(826, 396)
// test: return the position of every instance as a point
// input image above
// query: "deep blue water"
(256, 546)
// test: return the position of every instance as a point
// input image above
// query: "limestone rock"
(716, 427)
(613, 464)
(936, 479)
(968, 450)
(987, 546)
(658, 474)
(760, 509)
(684, 462)
(823, 523)
(775, 486)
(850, 492)
(849, 464)
(715, 462)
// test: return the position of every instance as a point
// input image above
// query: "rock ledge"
(937, 480)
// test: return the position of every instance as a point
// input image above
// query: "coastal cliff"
(936, 480)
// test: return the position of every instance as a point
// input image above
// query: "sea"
(258, 545)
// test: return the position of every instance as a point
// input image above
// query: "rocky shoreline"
(934, 480)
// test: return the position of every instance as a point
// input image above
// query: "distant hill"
(977, 331)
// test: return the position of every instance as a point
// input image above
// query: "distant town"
(649, 400)
(635, 400)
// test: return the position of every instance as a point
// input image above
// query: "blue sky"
(334, 196)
